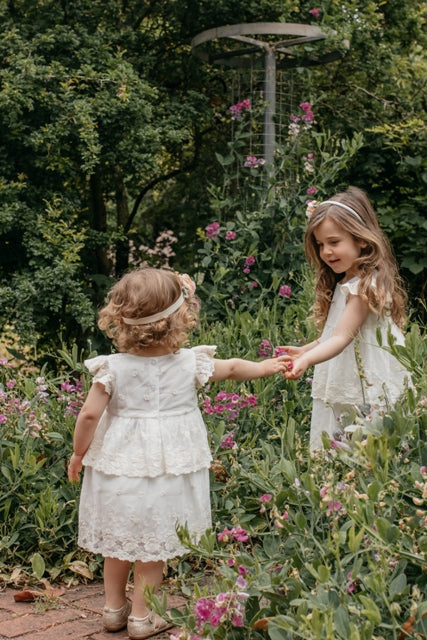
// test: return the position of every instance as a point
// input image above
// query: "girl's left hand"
(74, 468)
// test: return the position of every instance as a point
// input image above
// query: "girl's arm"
(238, 369)
(87, 421)
(354, 315)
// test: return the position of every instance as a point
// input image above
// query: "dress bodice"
(364, 372)
(152, 424)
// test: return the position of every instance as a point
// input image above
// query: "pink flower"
(305, 106)
(243, 571)
(314, 12)
(224, 535)
(228, 442)
(212, 230)
(285, 291)
(230, 235)
(254, 284)
(239, 534)
(264, 349)
(3, 418)
(266, 497)
(311, 191)
(241, 582)
(253, 162)
(236, 109)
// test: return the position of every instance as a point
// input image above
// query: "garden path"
(77, 615)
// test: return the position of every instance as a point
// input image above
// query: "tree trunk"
(122, 215)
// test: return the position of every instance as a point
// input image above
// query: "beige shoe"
(151, 625)
(116, 619)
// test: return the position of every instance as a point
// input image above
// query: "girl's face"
(337, 247)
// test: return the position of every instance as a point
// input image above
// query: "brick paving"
(77, 615)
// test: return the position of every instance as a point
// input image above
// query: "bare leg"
(116, 573)
(146, 574)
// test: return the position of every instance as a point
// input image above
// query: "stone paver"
(77, 616)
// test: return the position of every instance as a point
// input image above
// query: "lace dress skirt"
(133, 518)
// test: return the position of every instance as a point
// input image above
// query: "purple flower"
(285, 291)
(249, 261)
(212, 230)
(230, 235)
(265, 349)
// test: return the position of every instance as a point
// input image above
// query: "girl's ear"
(363, 244)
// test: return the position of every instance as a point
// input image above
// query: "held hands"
(278, 364)
(296, 363)
(74, 468)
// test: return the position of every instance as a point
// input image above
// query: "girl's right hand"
(298, 368)
(291, 351)
(74, 468)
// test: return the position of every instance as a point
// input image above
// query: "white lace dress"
(147, 468)
(341, 382)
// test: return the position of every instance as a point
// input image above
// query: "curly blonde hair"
(142, 293)
(380, 284)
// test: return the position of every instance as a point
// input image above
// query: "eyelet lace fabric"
(147, 467)
(136, 518)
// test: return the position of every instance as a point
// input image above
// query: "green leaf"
(398, 585)
(38, 565)
(370, 610)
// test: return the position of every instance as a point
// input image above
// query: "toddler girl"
(142, 440)
(358, 293)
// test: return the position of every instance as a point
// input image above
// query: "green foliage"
(107, 116)
(334, 545)
(38, 507)
(330, 546)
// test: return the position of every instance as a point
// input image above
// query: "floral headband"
(312, 206)
(188, 289)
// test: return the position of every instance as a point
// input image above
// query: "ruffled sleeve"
(99, 366)
(350, 288)
(205, 363)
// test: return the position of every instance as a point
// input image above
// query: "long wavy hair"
(380, 284)
(142, 293)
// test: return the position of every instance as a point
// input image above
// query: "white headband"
(344, 206)
(156, 316)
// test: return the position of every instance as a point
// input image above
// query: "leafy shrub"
(253, 251)
(331, 546)
(38, 507)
